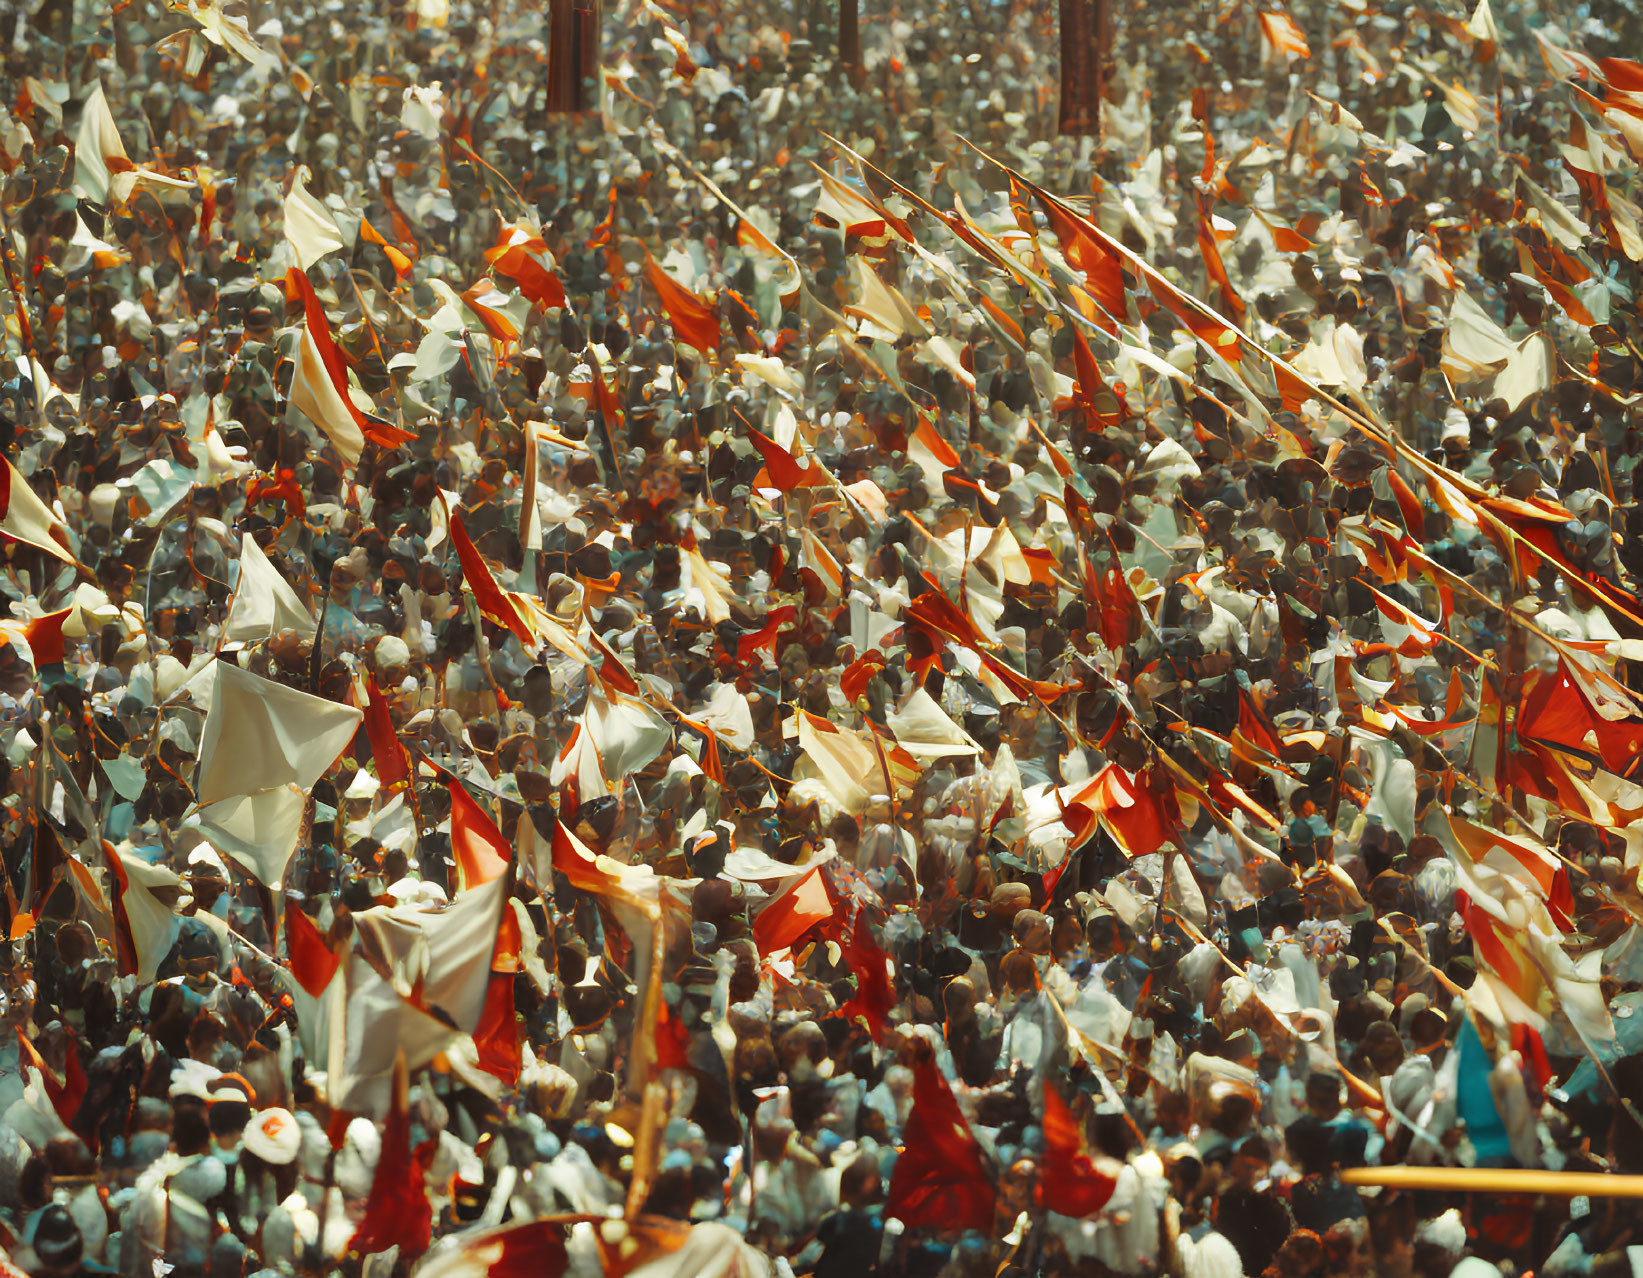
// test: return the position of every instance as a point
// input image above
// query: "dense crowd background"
(794, 674)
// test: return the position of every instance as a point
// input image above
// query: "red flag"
(497, 1035)
(487, 594)
(65, 1096)
(793, 912)
(397, 1212)
(859, 672)
(480, 851)
(695, 323)
(613, 672)
(1117, 610)
(784, 469)
(940, 1180)
(125, 940)
(1141, 817)
(874, 998)
(1090, 385)
(45, 636)
(1559, 712)
(672, 1039)
(765, 635)
(535, 1249)
(392, 764)
(1068, 1180)
(313, 962)
(1254, 726)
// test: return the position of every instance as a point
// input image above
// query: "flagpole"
(1496, 1180)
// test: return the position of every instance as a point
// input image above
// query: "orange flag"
(1103, 272)
(793, 912)
(518, 254)
(695, 323)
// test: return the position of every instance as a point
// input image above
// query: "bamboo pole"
(1496, 1180)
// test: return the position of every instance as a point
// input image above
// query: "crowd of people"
(794, 674)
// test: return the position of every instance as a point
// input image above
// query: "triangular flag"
(480, 851)
(940, 1180)
(476, 575)
(260, 734)
(496, 1037)
(694, 322)
(260, 831)
(264, 602)
(25, 518)
(393, 765)
(152, 925)
(1069, 1182)
(397, 1212)
(320, 387)
(313, 961)
(98, 152)
(792, 913)
(309, 227)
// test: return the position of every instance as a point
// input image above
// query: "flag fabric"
(476, 575)
(792, 912)
(398, 1212)
(27, 519)
(480, 851)
(941, 1180)
(1068, 1180)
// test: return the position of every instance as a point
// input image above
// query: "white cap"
(273, 1136)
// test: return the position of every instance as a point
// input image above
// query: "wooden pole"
(1084, 39)
(573, 55)
(849, 33)
(1497, 1180)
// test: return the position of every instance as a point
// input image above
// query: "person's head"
(1250, 1162)
(1235, 1113)
(198, 955)
(1323, 1094)
(1347, 1251)
(859, 1183)
(190, 1128)
(56, 1241)
(1307, 1142)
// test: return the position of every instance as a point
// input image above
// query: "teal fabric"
(1474, 1102)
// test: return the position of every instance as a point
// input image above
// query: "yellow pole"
(1496, 1180)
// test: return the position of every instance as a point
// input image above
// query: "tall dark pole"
(1084, 40)
(573, 54)
(849, 33)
